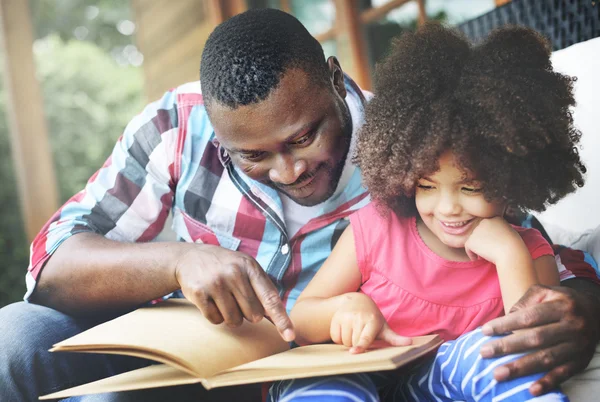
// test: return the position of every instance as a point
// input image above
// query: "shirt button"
(285, 249)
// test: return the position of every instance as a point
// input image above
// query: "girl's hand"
(359, 322)
(492, 240)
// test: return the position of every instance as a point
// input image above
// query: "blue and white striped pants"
(456, 373)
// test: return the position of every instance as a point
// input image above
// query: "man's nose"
(286, 169)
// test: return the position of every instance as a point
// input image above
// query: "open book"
(192, 350)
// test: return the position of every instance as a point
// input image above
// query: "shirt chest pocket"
(197, 232)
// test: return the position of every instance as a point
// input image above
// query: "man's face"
(296, 140)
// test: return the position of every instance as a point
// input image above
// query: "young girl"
(455, 134)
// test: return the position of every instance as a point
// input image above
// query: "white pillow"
(580, 212)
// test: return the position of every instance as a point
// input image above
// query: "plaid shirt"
(166, 162)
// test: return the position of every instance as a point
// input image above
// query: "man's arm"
(94, 256)
(561, 322)
(127, 201)
(89, 273)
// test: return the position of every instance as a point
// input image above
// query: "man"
(256, 171)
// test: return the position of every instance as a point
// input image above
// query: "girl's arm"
(496, 241)
(326, 292)
(331, 309)
(516, 271)
(546, 270)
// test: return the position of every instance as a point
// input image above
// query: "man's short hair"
(246, 56)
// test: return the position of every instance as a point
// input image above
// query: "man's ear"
(337, 76)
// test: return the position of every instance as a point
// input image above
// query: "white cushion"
(580, 212)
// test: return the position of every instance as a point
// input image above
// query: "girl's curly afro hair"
(498, 106)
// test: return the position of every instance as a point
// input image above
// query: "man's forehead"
(295, 89)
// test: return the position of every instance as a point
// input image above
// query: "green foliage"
(88, 100)
(98, 18)
(380, 34)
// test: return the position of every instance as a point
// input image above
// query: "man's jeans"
(28, 370)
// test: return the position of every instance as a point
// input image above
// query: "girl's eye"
(252, 156)
(471, 190)
(425, 187)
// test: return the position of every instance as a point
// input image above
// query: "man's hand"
(560, 324)
(359, 322)
(228, 286)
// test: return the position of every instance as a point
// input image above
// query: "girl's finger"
(366, 338)
(335, 332)
(357, 330)
(393, 338)
(346, 328)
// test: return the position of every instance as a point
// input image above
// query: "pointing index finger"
(274, 308)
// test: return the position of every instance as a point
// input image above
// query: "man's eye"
(304, 139)
(251, 156)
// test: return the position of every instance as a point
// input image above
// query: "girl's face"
(451, 204)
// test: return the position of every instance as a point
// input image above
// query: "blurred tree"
(90, 95)
(96, 21)
(85, 108)
(381, 33)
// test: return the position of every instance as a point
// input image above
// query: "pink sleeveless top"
(419, 292)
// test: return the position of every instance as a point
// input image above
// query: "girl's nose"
(448, 205)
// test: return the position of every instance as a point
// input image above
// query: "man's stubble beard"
(335, 172)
